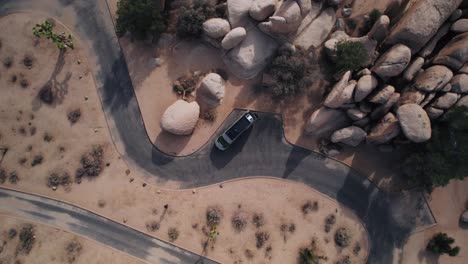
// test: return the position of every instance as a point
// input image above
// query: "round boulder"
(455, 53)
(459, 83)
(433, 78)
(414, 122)
(233, 38)
(216, 27)
(393, 62)
(351, 136)
(364, 87)
(385, 130)
(180, 118)
(211, 91)
(446, 101)
(261, 9)
(319, 122)
(460, 26)
(382, 95)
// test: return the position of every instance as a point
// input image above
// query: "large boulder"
(261, 9)
(420, 22)
(285, 20)
(238, 12)
(319, 123)
(383, 109)
(211, 91)
(356, 114)
(430, 46)
(180, 118)
(317, 31)
(433, 78)
(252, 55)
(433, 112)
(386, 129)
(305, 5)
(413, 68)
(380, 29)
(455, 53)
(351, 136)
(216, 27)
(233, 38)
(411, 96)
(393, 62)
(459, 83)
(339, 36)
(414, 122)
(463, 101)
(335, 97)
(460, 26)
(382, 96)
(445, 101)
(364, 87)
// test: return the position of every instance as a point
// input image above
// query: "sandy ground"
(121, 194)
(50, 246)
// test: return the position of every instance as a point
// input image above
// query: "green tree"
(46, 30)
(190, 22)
(351, 56)
(140, 17)
(441, 243)
(444, 157)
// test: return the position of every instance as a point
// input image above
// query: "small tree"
(441, 243)
(46, 30)
(351, 56)
(190, 23)
(139, 17)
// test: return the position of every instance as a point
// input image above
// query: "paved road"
(388, 218)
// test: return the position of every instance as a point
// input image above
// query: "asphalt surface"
(95, 227)
(261, 151)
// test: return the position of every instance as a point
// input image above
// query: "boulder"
(433, 113)
(464, 69)
(351, 136)
(413, 68)
(463, 101)
(411, 96)
(393, 62)
(356, 114)
(238, 12)
(380, 29)
(339, 36)
(216, 27)
(420, 22)
(316, 9)
(180, 118)
(305, 6)
(429, 97)
(319, 122)
(459, 83)
(455, 53)
(433, 78)
(386, 129)
(363, 72)
(364, 87)
(383, 109)
(365, 107)
(286, 19)
(446, 101)
(211, 91)
(382, 95)
(233, 38)
(317, 31)
(456, 15)
(261, 9)
(464, 218)
(251, 56)
(362, 123)
(460, 26)
(430, 46)
(339, 97)
(414, 122)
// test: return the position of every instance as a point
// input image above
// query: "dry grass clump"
(3, 176)
(152, 226)
(286, 229)
(91, 163)
(173, 234)
(54, 180)
(74, 116)
(8, 62)
(309, 207)
(344, 260)
(28, 61)
(12, 233)
(213, 216)
(258, 220)
(239, 221)
(261, 238)
(37, 160)
(13, 178)
(330, 220)
(73, 249)
(26, 240)
(342, 237)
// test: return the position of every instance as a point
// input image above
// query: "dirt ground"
(53, 246)
(31, 128)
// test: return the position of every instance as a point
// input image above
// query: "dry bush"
(28, 61)
(239, 221)
(152, 226)
(249, 254)
(173, 234)
(209, 115)
(261, 237)
(344, 260)
(258, 220)
(54, 180)
(74, 116)
(91, 163)
(330, 220)
(37, 160)
(13, 78)
(213, 216)
(3, 176)
(26, 240)
(47, 137)
(309, 207)
(357, 248)
(8, 62)
(12, 233)
(13, 178)
(342, 237)
(24, 83)
(101, 203)
(73, 249)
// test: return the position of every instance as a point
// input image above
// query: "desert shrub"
(190, 22)
(342, 237)
(24, 83)
(140, 17)
(73, 249)
(239, 221)
(91, 162)
(13, 78)
(209, 115)
(291, 73)
(357, 248)
(101, 203)
(47, 137)
(28, 61)
(308, 256)
(185, 85)
(344, 260)
(54, 180)
(309, 207)
(45, 29)
(330, 220)
(12, 233)
(3, 176)
(8, 62)
(249, 254)
(153, 226)
(258, 220)
(261, 237)
(441, 243)
(13, 178)
(38, 159)
(173, 234)
(351, 56)
(74, 116)
(442, 158)
(213, 216)
(27, 240)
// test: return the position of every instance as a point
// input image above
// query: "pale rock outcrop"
(433, 78)
(393, 62)
(238, 12)
(180, 118)
(459, 83)
(261, 9)
(285, 20)
(382, 95)
(340, 36)
(233, 38)
(455, 53)
(305, 6)
(413, 68)
(420, 22)
(211, 91)
(356, 114)
(316, 8)
(216, 27)
(433, 113)
(380, 29)
(317, 31)
(430, 46)
(364, 87)
(251, 56)
(319, 122)
(446, 101)
(414, 122)
(351, 136)
(340, 96)
(383, 109)
(386, 129)
(460, 26)
(463, 101)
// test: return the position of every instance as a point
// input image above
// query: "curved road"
(389, 218)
